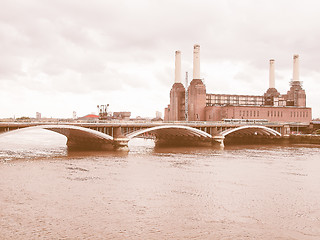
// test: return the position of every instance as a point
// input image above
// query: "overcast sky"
(71, 55)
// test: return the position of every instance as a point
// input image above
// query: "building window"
(304, 114)
(247, 113)
(268, 113)
(250, 113)
(254, 113)
(291, 114)
(257, 113)
(271, 113)
(281, 113)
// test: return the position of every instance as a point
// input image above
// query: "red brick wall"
(177, 103)
(214, 113)
(272, 114)
(166, 114)
(196, 100)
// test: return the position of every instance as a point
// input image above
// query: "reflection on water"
(251, 192)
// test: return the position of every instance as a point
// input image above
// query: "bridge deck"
(119, 133)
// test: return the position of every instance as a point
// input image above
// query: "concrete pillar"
(117, 133)
(285, 130)
(271, 74)
(295, 76)
(219, 139)
(177, 77)
(120, 142)
(196, 62)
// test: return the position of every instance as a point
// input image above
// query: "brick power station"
(203, 106)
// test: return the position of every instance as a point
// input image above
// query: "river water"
(240, 192)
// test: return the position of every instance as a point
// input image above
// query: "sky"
(72, 55)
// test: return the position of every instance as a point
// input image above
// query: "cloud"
(74, 49)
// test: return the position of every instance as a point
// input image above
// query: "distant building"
(89, 117)
(158, 117)
(158, 114)
(38, 115)
(74, 115)
(202, 106)
(122, 115)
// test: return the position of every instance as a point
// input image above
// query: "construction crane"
(103, 111)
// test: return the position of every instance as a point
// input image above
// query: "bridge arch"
(171, 131)
(69, 130)
(77, 137)
(251, 130)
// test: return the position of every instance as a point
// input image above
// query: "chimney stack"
(177, 77)
(295, 68)
(196, 62)
(271, 74)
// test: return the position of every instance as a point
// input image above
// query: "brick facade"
(272, 106)
(272, 114)
(196, 100)
(176, 110)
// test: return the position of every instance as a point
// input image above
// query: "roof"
(90, 116)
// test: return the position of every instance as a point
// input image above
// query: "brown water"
(252, 192)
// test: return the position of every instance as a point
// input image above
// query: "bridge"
(116, 135)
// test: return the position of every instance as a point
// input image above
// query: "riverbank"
(289, 139)
(305, 138)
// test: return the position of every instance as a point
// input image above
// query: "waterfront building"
(202, 106)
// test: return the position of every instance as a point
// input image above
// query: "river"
(240, 192)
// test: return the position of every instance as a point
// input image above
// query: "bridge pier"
(285, 130)
(120, 142)
(219, 139)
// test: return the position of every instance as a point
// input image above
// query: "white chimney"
(295, 67)
(177, 77)
(271, 74)
(196, 62)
